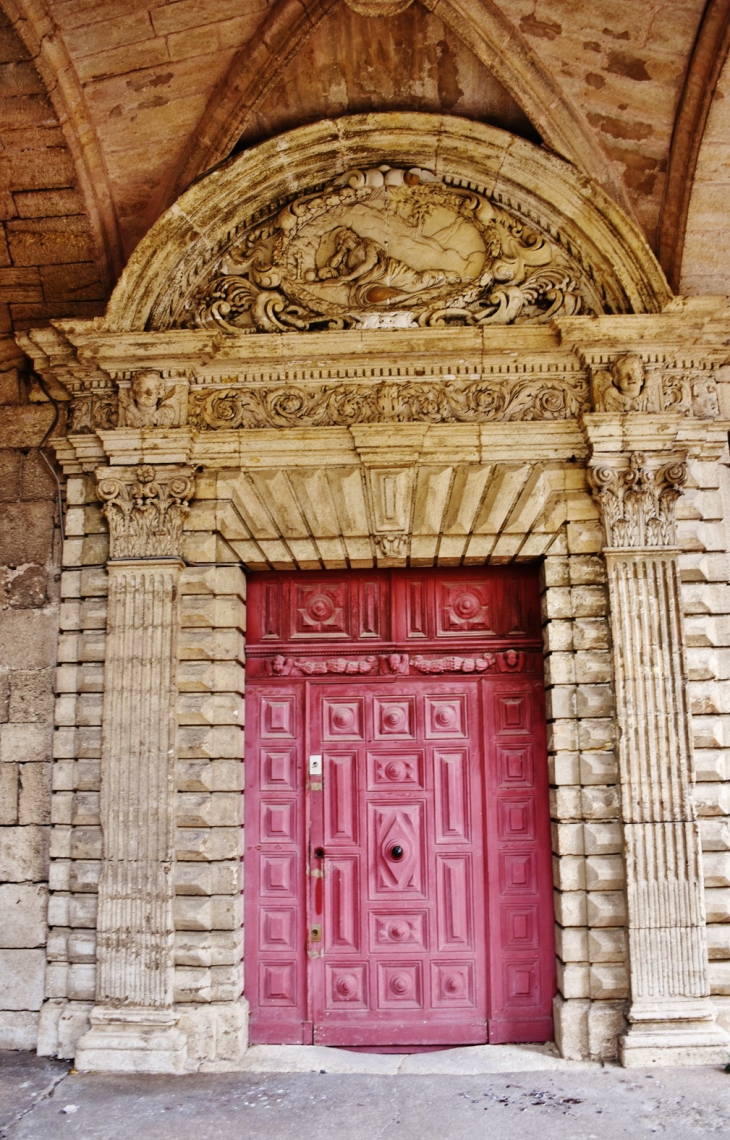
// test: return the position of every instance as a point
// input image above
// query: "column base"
(132, 1040)
(680, 1032)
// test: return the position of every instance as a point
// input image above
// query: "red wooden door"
(398, 886)
(397, 830)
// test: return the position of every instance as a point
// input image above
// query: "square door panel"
(463, 607)
(446, 716)
(278, 769)
(278, 822)
(513, 713)
(516, 818)
(521, 982)
(519, 927)
(395, 769)
(400, 985)
(321, 609)
(452, 984)
(279, 717)
(278, 875)
(515, 766)
(394, 718)
(277, 928)
(278, 983)
(517, 872)
(343, 718)
(347, 987)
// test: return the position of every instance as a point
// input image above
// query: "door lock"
(315, 765)
(315, 933)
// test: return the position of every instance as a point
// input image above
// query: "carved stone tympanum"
(134, 1024)
(670, 1012)
(387, 247)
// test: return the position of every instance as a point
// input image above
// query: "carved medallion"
(388, 248)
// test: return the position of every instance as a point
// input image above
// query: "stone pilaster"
(671, 1018)
(133, 1025)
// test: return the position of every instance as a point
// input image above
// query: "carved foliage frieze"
(504, 661)
(146, 509)
(425, 401)
(638, 502)
(387, 247)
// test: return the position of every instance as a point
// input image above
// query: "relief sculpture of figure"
(149, 402)
(375, 276)
(626, 387)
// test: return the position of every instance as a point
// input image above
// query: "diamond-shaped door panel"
(397, 853)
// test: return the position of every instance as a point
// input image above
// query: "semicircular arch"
(537, 193)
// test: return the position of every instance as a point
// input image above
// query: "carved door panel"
(275, 880)
(400, 901)
(402, 895)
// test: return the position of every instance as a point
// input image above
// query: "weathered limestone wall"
(588, 867)
(29, 551)
(704, 534)
(208, 905)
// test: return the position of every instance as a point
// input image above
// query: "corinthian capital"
(146, 508)
(638, 502)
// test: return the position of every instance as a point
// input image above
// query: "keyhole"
(396, 852)
(319, 852)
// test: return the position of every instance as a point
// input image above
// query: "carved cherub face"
(628, 373)
(146, 390)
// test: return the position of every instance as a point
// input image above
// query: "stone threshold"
(467, 1060)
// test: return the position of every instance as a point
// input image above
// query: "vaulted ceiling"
(110, 108)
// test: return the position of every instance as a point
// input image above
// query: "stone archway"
(282, 381)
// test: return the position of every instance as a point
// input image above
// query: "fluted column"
(133, 1022)
(671, 1018)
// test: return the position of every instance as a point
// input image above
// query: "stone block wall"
(704, 534)
(29, 551)
(588, 866)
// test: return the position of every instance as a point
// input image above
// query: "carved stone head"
(147, 390)
(629, 375)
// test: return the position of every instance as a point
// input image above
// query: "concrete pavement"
(42, 1100)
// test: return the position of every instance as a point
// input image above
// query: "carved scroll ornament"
(388, 248)
(146, 510)
(638, 503)
(410, 401)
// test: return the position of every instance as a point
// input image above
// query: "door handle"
(396, 852)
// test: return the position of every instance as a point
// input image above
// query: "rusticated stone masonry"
(145, 510)
(670, 1006)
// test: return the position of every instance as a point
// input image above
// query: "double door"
(397, 856)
